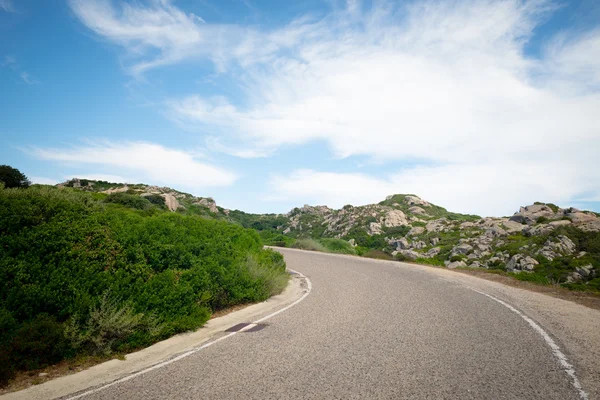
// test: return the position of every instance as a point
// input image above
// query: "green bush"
(62, 251)
(378, 254)
(129, 200)
(530, 277)
(337, 246)
(308, 244)
(157, 200)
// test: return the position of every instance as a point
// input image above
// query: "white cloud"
(442, 83)
(27, 78)
(7, 5)
(490, 190)
(102, 177)
(143, 162)
(43, 180)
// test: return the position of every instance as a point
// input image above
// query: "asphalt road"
(369, 330)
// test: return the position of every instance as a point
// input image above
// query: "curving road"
(372, 329)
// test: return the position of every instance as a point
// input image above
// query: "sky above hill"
(476, 105)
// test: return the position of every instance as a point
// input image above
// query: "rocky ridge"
(563, 242)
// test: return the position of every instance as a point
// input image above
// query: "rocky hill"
(551, 243)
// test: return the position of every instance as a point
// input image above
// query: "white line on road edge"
(189, 353)
(560, 356)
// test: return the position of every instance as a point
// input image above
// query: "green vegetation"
(84, 273)
(308, 244)
(338, 246)
(378, 255)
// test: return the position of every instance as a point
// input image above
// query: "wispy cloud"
(444, 83)
(27, 79)
(11, 62)
(43, 180)
(7, 6)
(143, 162)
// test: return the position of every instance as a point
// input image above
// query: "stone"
(462, 249)
(402, 244)
(538, 230)
(560, 222)
(416, 201)
(208, 203)
(170, 201)
(352, 242)
(519, 262)
(419, 245)
(530, 214)
(433, 252)
(410, 254)
(415, 231)
(436, 226)
(456, 264)
(434, 241)
(417, 210)
(394, 218)
(511, 226)
(375, 228)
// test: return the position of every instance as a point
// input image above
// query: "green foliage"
(13, 178)
(362, 238)
(378, 254)
(309, 244)
(63, 250)
(457, 257)
(337, 246)
(430, 261)
(542, 220)
(129, 200)
(398, 231)
(108, 323)
(271, 238)
(157, 200)
(530, 277)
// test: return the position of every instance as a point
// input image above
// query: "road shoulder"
(114, 370)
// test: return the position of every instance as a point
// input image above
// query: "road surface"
(381, 330)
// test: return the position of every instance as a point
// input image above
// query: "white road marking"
(190, 352)
(558, 354)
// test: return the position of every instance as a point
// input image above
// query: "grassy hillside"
(92, 273)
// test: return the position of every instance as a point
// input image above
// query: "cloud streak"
(143, 162)
(7, 6)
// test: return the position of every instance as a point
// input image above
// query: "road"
(382, 330)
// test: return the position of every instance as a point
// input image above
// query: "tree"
(13, 178)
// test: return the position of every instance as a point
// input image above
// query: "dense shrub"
(157, 200)
(308, 244)
(79, 276)
(338, 246)
(378, 254)
(129, 200)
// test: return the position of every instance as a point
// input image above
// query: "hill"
(541, 242)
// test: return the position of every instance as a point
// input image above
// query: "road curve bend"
(382, 330)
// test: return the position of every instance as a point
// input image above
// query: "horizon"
(316, 205)
(479, 106)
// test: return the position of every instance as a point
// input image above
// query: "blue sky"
(476, 105)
